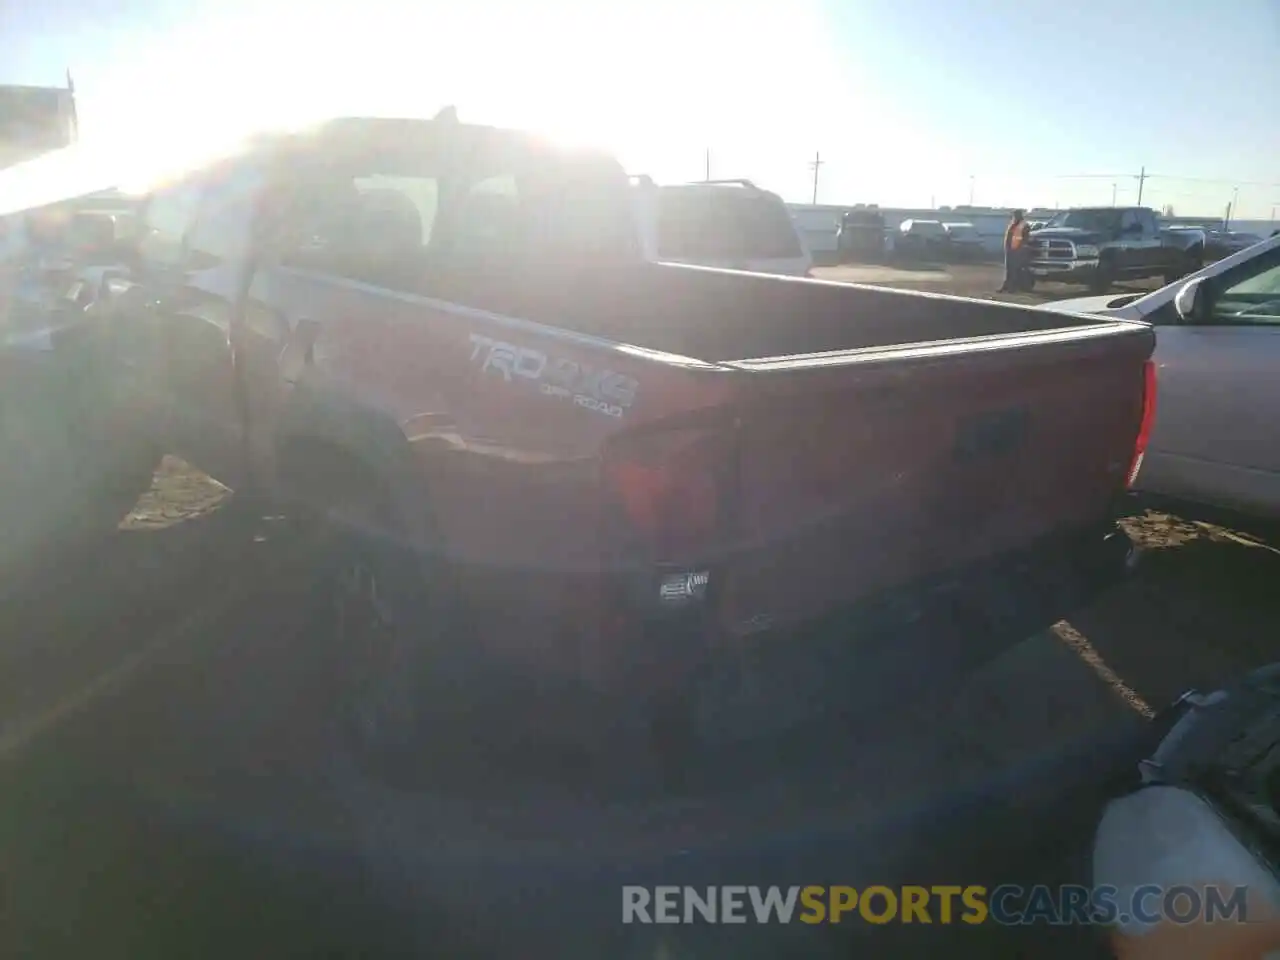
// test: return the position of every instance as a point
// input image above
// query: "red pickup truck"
(578, 484)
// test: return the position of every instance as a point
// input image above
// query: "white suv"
(732, 224)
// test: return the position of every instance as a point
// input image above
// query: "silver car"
(1216, 437)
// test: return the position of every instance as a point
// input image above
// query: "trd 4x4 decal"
(595, 388)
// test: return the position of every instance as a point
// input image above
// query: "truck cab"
(1099, 246)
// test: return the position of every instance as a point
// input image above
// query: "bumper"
(701, 689)
(899, 643)
(1069, 270)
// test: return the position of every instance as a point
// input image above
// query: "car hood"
(1075, 234)
(1104, 304)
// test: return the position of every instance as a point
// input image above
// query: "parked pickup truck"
(1099, 246)
(600, 485)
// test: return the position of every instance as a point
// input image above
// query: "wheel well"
(320, 473)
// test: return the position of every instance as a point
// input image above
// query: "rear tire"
(383, 619)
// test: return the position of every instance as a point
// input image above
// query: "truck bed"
(884, 437)
(723, 316)
(806, 445)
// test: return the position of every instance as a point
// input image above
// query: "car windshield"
(1099, 220)
(714, 224)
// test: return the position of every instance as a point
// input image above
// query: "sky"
(907, 102)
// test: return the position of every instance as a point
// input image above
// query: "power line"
(1095, 176)
(1238, 183)
(1162, 176)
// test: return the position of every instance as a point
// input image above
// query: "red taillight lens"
(669, 489)
(1148, 419)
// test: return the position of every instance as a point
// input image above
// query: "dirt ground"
(965, 279)
(1201, 608)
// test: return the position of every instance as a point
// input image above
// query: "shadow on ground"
(195, 810)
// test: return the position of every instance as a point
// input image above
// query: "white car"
(732, 224)
(1216, 437)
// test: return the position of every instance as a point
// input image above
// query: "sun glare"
(656, 84)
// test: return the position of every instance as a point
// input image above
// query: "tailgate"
(872, 469)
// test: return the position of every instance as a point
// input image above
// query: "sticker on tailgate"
(594, 388)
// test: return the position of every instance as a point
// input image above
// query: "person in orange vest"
(1016, 252)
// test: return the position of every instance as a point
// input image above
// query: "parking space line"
(1080, 645)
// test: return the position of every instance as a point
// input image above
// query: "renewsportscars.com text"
(1007, 905)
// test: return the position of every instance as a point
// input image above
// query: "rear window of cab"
(724, 223)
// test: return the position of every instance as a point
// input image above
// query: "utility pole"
(816, 163)
(74, 117)
(971, 178)
(1142, 179)
(1113, 194)
(707, 176)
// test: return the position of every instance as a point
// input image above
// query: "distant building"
(35, 120)
(817, 222)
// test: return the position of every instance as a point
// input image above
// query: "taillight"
(669, 492)
(1148, 419)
